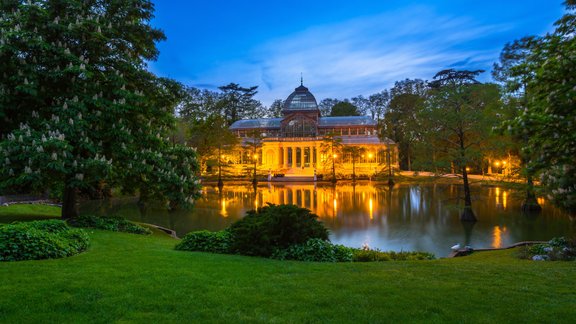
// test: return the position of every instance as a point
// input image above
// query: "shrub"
(40, 240)
(275, 227)
(315, 250)
(369, 255)
(111, 223)
(206, 241)
(557, 249)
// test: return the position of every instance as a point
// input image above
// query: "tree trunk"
(467, 214)
(530, 204)
(408, 158)
(69, 207)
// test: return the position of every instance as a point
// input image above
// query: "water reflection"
(406, 217)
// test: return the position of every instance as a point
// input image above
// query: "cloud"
(361, 56)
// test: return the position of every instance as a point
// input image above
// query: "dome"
(300, 100)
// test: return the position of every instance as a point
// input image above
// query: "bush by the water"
(557, 249)
(274, 227)
(369, 255)
(110, 223)
(36, 240)
(315, 250)
(206, 241)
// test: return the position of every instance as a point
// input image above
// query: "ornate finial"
(301, 79)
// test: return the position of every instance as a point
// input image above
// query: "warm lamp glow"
(496, 163)
(334, 156)
(467, 169)
(255, 156)
(504, 162)
(370, 155)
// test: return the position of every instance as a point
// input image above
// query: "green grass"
(134, 278)
(27, 212)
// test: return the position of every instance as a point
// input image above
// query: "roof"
(370, 139)
(274, 123)
(346, 121)
(256, 123)
(300, 100)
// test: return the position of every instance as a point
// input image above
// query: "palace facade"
(303, 143)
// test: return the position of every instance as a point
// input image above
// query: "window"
(300, 127)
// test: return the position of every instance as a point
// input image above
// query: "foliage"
(316, 250)
(549, 78)
(206, 241)
(330, 149)
(379, 104)
(78, 106)
(275, 110)
(36, 240)
(325, 105)
(557, 249)
(110, 223)
(274, 227)
(400, 120)
(462, 112)
(344, 108)
(369, 255)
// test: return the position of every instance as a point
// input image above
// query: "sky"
(342, 48)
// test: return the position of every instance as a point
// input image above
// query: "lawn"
(132, 278)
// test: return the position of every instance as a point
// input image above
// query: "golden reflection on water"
(223, 211)
(497, 233)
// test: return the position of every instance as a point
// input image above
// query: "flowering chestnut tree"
(78, 106)
(549, 118)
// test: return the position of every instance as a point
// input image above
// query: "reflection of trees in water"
(416, 215)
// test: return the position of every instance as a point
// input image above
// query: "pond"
(407, 217)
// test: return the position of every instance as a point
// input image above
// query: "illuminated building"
(294, 145)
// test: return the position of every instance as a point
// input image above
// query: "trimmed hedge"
(37, 240)
(206, 241)
(110, 223)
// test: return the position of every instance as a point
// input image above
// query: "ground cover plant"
(557, 249)
(110, 223)
(46, 239)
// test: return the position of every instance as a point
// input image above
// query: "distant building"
(295, 145)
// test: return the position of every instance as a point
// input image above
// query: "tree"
(456, 106)
(199, 104)
(330, 147)
(77, 106)
(344, 108)
(238, 103)
(326, 105)
(549, 74)
(379, 104)
(401, 123)
(275, 110)
(362, 104)
(510, 72)
(355, 153)
(211, 137)
(253, 143)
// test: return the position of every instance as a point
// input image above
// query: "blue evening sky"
(343, 48)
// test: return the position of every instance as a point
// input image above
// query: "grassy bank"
(126, 277)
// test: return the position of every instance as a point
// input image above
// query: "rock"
(539, 258)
